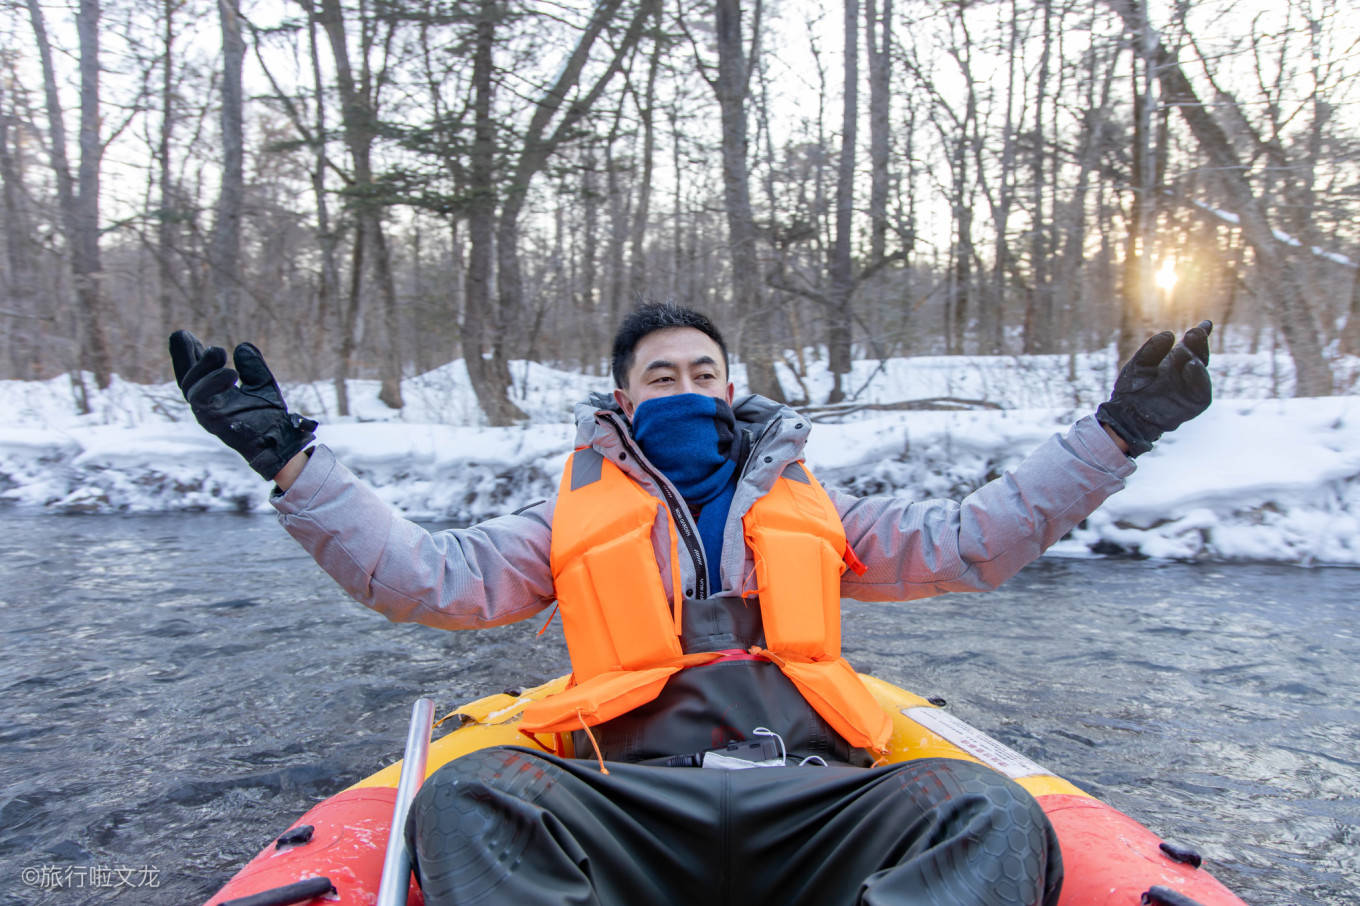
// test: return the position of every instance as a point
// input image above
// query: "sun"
(1165, 277)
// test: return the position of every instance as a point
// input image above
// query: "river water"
(177, 689)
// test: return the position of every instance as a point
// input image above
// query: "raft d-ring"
(295, 837)
(1165, 896)
(298, 892)
(1181, 853)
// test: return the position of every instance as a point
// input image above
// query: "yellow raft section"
(494, 721)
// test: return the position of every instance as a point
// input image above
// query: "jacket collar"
(776, 434)
(598, 416)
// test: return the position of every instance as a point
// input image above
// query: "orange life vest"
(623, 635)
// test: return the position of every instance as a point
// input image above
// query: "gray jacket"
(498, 571)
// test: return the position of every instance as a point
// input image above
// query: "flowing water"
(176, 690)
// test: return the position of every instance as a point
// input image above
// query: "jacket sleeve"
(489, 574)
(914, 550)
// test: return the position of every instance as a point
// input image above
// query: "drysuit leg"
(980, 840)
(517, 827)
(513, 826)
(931, 832)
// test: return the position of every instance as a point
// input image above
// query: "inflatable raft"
(334, 853)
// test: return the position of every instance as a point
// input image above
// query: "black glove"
(251, 418)
(1160, 388)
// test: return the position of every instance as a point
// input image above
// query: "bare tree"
(1146, 200)
(620, 215)
(840, 315)
(1070, 217)
(23, 308)
(490, 375)
(358, 115)
(589, 294)
(646, 108)
(1039, 323)
(1276, 269)
(79, 197)
(731, 85)
(165, 218)
(959, 137)
(546, 132)
(224, 249)
(1002, 199)
(328, 290)
(877, 43)
(1057, 153)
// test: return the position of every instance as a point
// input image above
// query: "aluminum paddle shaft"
(396, 875)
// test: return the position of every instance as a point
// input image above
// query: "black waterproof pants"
(517, 827)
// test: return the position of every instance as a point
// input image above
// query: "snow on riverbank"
(1255, 478)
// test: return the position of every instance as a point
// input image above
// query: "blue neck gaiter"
(691, 438)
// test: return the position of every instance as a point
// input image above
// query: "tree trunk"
(1039, 326)
(390, 357)
(961, 271)
(490, 376)
(838, 330)
(679, 266)
(1138, 290)
(619, 224)
(879, 28)
(1350, 333)
(89, 271)
(589, 310)
(328, 302)
(21, 285)
(637, 265)
(224, 250)
(167, 218)
(361, 127)
(992, 332)
(731, 88)
(79, 199)
(1071, 219)
(352, 320)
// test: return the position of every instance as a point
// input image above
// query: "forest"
(373, 188)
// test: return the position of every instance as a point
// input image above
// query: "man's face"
(671, 361)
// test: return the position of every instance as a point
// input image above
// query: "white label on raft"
(976, 743)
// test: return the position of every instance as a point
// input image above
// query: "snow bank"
(1255, 478)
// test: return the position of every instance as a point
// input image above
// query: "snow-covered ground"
(1257, 477)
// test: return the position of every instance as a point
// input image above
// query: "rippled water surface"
(177, 689)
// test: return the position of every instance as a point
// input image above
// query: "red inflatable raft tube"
(334, 853)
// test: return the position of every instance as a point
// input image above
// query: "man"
(699, 566)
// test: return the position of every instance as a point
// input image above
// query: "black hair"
(648, 319)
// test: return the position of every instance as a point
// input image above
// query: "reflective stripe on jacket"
(623, 633)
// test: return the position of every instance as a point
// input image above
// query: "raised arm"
(914, 549)
(493, 573)
(917, 549)
(488, 574)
